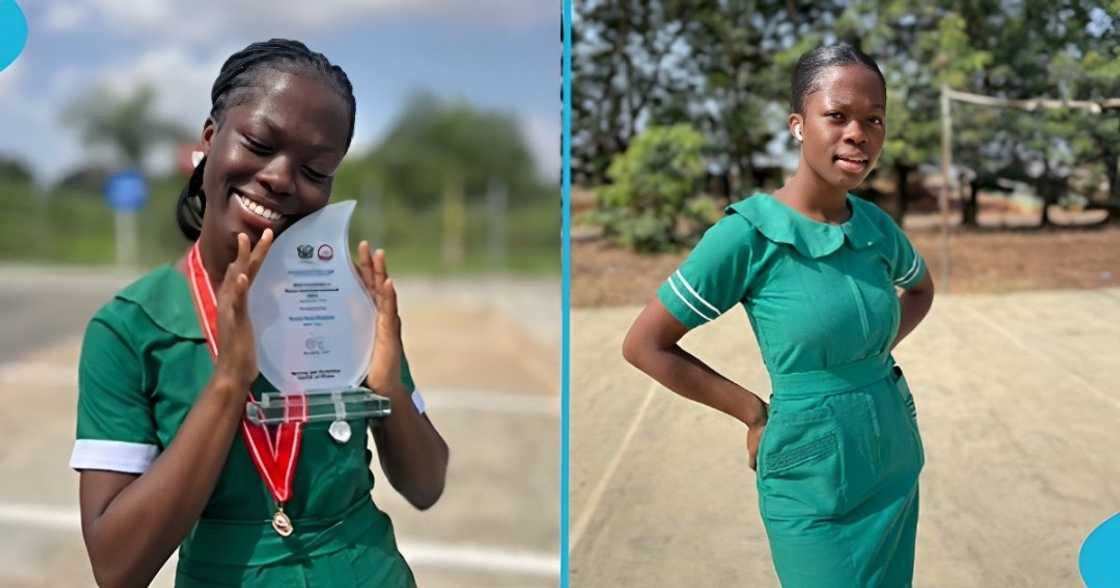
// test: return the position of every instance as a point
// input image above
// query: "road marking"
(478, 557)
(601, 486)
(485, 558)
(528, 404)
(38, 373)
(40, 516)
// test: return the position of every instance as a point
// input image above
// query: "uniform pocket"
(809, 452)
(800, 471)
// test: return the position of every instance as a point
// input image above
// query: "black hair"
(236, 83)
(810, 65)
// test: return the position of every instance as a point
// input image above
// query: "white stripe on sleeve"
(695, 293)
(912, 271)
(685, 300)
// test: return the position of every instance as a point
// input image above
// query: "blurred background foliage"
(723, 68)
(651, 184)
(449, 189)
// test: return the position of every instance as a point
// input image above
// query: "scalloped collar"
(781, 224)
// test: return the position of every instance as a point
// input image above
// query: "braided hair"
(235, 85)
(810, 65)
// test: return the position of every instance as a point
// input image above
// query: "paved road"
(1019, 410)
(486, 353)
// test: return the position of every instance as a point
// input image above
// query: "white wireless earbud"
(797, 132)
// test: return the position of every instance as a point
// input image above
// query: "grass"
(74, 228)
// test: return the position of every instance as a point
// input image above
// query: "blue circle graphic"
(1100, 555)
(13, 32)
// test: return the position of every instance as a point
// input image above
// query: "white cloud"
(28, 122)
(180, 46)
(182, 83)
(65, 16)
(201, 21)
(543, 136)
(10, 78)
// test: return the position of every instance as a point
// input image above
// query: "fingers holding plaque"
(373, 269)
(311, 317)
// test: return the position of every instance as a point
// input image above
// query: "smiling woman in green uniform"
(830, 285)
(163, 461)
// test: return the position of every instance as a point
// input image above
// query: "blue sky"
(496, 54)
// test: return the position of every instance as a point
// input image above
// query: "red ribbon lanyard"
(276, 462)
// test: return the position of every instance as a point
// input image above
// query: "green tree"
(720, 66)
(1031, 49)
(626, 64)
(451, 186)
(651, 184)
(15, 170)
(740, 56)
(724, 67)
(1089, 69)
(436, 141)
(128, 125)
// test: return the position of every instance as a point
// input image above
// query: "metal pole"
(454, 222)
(372, 194)
(496, 200)
(126, 239)
(946, 166)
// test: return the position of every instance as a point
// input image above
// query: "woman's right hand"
(237, 353)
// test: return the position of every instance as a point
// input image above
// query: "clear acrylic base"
(352, 403)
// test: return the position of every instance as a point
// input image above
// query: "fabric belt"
(255, 543)
(834, 380)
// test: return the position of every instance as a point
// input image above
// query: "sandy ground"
(485, 353)
(1018, 410)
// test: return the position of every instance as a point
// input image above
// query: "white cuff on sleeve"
(114, 456)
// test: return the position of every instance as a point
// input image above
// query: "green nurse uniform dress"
(144, 361)
(839, 459)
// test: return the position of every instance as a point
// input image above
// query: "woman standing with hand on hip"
(830, 285)
(168, 364)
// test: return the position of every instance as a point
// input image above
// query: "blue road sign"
(126, 191)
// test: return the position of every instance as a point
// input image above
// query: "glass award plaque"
(314, 323)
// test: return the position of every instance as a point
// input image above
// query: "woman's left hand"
(413, 455)
(385, 366)
(754, 440)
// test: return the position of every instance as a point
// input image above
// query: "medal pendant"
(281, 523)
(340, 431)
